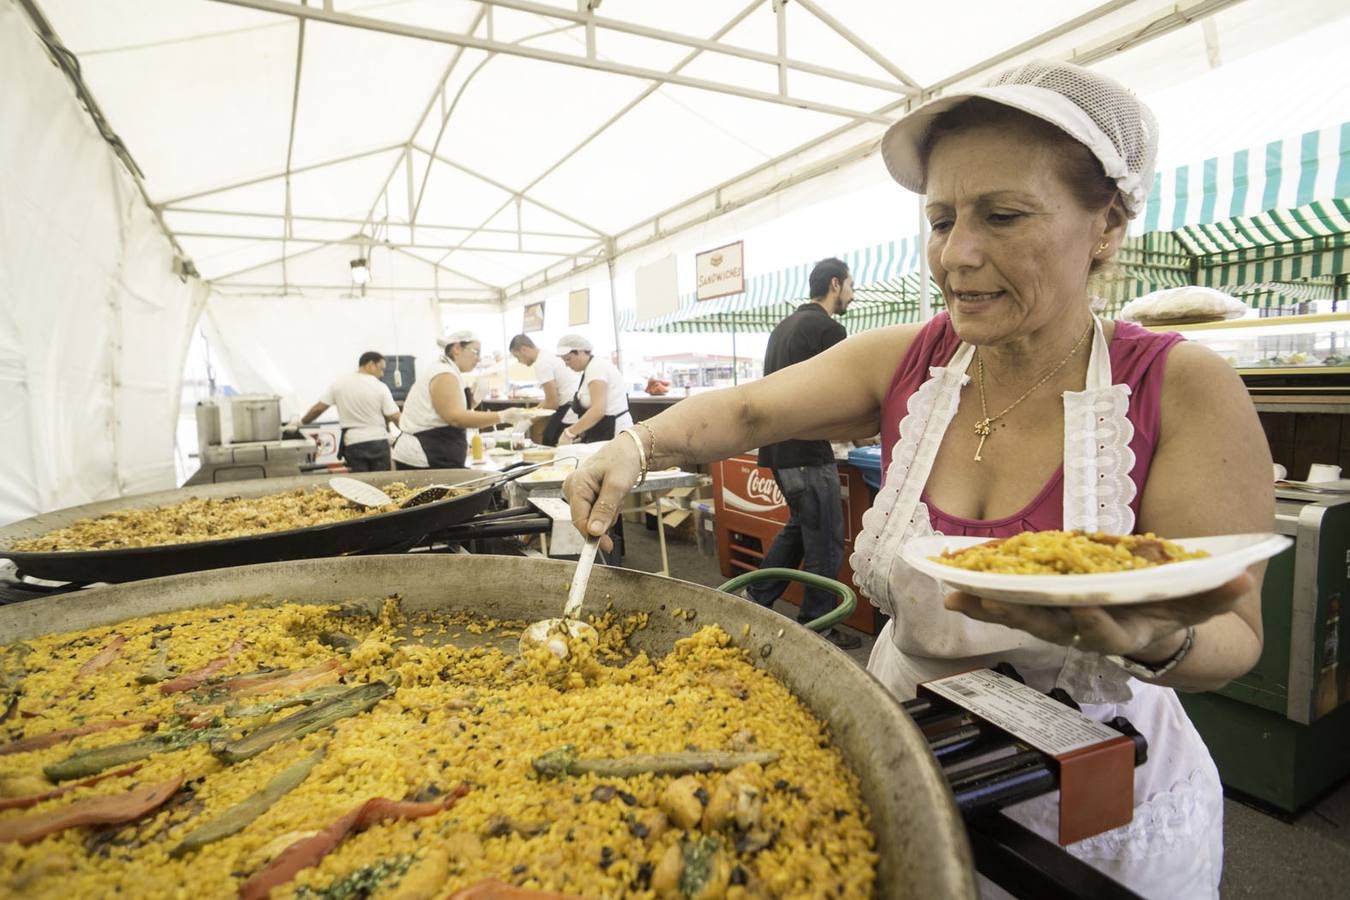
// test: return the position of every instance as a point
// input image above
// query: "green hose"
(848, 601)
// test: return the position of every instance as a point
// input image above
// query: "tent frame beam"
(273, 176)
(469, 41)
(1162, 21)
(902, 85)
(330, 220)
(608, 243)
(365, 239)
(515, 194)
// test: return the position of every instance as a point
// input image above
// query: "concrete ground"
(1265, 856)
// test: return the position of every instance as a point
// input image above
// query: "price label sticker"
(1024, 712)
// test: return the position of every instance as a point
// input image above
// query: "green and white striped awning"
(1270, 225)
(886, 270)
(1282, 174)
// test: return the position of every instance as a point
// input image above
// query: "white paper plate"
(1230, 554)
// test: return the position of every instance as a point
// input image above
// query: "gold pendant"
(983, 430)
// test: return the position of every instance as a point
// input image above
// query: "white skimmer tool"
(555, 633)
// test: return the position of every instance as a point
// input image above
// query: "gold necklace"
(982, 429)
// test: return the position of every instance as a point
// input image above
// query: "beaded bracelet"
(642, 455)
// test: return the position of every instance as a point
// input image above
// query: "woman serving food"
(439, 409)
(1018, 410)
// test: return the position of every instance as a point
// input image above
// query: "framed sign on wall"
(534, 317)
(579, 307)
(720, 271)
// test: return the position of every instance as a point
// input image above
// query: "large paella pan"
(376, 532)
(449, 775)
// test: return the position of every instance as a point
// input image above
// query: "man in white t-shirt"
(365, 409)
(559, 382)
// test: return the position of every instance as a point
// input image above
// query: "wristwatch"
(1159, 669)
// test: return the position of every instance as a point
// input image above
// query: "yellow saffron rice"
(1067, 553)
(475, 715)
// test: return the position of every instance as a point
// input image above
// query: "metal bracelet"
(642, 455)
(651, 434)
(1157, 670)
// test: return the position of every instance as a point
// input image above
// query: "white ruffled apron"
(1174, 845)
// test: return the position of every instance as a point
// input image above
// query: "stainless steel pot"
(920, 836)
(255, 417)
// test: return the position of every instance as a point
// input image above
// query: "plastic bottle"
(477, 445)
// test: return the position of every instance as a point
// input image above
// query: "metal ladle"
(555, 633)
(368, 495)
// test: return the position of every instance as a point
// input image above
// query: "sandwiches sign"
(721, 271)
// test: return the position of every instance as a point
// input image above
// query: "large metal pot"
(389, 532)
(920, 837)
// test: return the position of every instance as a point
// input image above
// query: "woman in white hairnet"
(600, 401)
(437, 410)
(1017, 409)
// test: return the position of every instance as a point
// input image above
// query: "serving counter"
(1281, 732)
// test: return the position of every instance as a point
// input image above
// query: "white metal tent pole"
(506, 358)
(614, 310)
(734, 380)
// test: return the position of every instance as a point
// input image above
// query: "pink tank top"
(1138, 357)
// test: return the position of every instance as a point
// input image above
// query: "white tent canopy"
(474, 150)
(489, 152)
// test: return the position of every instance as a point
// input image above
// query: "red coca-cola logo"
(757, 487)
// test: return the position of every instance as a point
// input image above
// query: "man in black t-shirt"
(805, 470)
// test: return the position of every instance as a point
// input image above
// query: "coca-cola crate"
(751, 510)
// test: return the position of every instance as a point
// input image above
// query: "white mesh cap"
(1094, 110)
(569, 342)
(464, 336)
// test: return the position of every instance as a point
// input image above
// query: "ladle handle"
(576, 592)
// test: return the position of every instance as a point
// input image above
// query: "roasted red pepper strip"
(101, 659)
(112, 810)
(35, 799)
(197, 678)
(309, 851)
(496, 890)
(292, 682)
(52, 738)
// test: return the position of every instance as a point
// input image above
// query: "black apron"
(446, 446)
(553, 428)
(600, 431)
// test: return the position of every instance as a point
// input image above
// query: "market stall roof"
(1217, 223)
(474, 150)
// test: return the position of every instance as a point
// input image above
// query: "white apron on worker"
(1174, 845)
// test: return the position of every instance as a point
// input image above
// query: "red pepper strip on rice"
(197, 677)
(321, 674)
(52, 738)
(102, 658)
(111, 810)
(35, 799)
(309, 851)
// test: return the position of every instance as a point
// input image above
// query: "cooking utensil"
(920, 839)
(388, 532)
(367, 495)
(549, 632)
